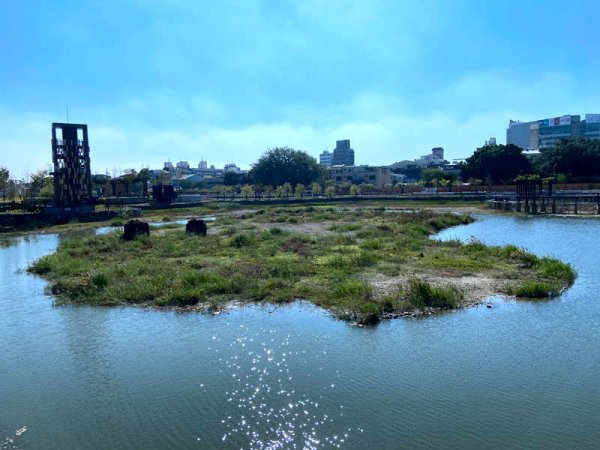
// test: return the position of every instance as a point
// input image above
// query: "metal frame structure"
(71, 158)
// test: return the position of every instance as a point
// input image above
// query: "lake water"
(519, 375)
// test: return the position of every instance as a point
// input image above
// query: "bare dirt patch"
(476, 288)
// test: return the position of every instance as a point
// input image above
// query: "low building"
(434, 159)
(231, 168)
(187, 180)
(377, 176)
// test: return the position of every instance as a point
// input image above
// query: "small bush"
(556, 270)
(420, 294)
(533, 289)
(345, 227)
(100, 280)
(521, 255)
(243, 240)
(230, 230)
(371, 244)
(209, 282)
(368, 313)
(360, 259)
(354, 289)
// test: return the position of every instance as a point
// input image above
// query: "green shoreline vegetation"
(363, 264)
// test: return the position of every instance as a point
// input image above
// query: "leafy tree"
(299, 190)
(330, 191)
(496, 164)
(40, 185)
(437, 177)
(285, 165)
(268, 191)
(12, 190)
(4, 181)
(355, 190)
(343, 188)
(286, 189)
(247, 191)
(574, 158)
(143, 175)
(234, 179)
(165, 177)
(315, 189)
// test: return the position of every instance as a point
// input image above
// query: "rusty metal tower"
(71, 158)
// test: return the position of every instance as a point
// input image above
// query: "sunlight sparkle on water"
(267, 409)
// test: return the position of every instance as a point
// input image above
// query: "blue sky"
(225, 81)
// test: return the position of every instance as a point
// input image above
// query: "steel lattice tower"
(71, 158)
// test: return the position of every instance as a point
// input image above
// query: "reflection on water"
(520, 375)
(11, 442)
(267, 407)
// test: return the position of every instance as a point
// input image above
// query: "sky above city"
(224, 81)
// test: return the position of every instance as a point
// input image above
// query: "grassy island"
(362, 263)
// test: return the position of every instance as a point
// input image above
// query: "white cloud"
(383, 128)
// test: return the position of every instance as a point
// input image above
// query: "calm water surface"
(520, 375)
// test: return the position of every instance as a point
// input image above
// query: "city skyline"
(156, 81)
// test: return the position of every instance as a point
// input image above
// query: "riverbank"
(362, 263)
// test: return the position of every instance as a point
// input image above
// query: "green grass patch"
(533, 289)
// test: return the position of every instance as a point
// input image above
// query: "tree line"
(285, 172)
(569, 160)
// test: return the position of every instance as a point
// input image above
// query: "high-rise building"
(590, 127)
(343, 155)
(71, 158)
(326, 158)
(521, 135)
(438, 152)
(540, 134)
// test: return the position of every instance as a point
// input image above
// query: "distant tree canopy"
(234, 179)
(434, 176)
(4, 181)
(285, 165)
(496, 164)
(577, 158)
(41, 185)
